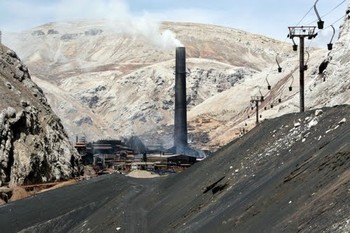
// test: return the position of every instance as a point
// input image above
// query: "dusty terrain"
(290, 174)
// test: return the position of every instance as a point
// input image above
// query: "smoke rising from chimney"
(118, 17)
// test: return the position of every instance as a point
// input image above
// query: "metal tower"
(302, 32)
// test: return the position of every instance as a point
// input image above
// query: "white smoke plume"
(119, 18)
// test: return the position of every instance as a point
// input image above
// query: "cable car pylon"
(302, 32)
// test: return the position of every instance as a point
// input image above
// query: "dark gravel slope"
(290, 174)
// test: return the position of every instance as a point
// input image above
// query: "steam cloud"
(119, 18)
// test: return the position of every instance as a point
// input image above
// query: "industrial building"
(119, 156)
(116, 155)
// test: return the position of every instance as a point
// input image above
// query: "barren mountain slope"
(231, 108)
(34, 146)
(106, 83)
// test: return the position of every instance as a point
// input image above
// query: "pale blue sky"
(267, 17)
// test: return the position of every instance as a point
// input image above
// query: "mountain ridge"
(66, 63)
(99, 68)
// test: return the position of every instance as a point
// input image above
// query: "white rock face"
(33, 145)
(108, 84)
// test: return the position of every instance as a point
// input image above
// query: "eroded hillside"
(34, 146)
(108, 84)
(104, 83)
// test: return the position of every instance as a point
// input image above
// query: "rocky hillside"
(104, 83)
(34, 146)
(328, 88)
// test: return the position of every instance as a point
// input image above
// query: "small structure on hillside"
(115, 155)
(182, 160)
(103, 153)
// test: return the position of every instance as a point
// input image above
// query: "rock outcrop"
(33, 144)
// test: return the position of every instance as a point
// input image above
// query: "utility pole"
(302, 32)
(256, 100)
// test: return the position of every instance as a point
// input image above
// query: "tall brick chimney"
(180, 125)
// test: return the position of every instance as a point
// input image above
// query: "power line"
(308, 12)
(336, 21)
(333, 9)
(281, 51)
(329, 26)
(304, 16)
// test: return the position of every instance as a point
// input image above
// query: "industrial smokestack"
(180, 125)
